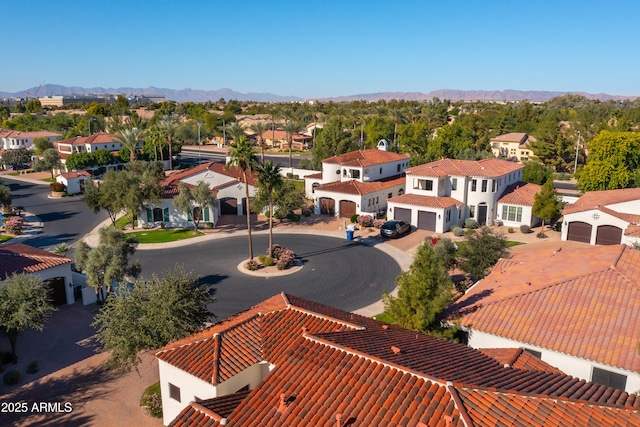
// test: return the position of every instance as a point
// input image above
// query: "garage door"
(58, 290)
(347, 208)
(608, 235)
(579, 232)
(229, 206)
(327, 206)
(427, 220)
(402, 214)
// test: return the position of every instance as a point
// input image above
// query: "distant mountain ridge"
(197, 95)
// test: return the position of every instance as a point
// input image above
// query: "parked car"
(394, 229)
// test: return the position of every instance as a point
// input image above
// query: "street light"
(199, 156)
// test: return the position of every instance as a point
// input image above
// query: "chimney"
(283, 403)
(395, 349)
(385, 326)
(448, 419)
(338, 420)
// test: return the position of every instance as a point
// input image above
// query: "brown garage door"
(327, 206)
(402, 214)
(347, 208)
(608, 235)
(579, 232)
(229, 206)
(427, 220)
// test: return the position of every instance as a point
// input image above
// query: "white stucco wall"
(528, 217)
(384, 170)
(587, 216)
(571, 365)
(632, 207)
(60, 271)
(176, 218)
(73, 184)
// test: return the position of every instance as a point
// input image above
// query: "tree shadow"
(53, 216)
(329, 250)
(469, 305)
(42, 241)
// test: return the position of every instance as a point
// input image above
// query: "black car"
(394, 228)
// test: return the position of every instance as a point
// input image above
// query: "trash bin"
(349, 234)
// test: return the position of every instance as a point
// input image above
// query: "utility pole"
(575, 165)
(199, 155)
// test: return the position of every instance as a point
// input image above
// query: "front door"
(482, 214)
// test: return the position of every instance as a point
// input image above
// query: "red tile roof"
(172, 180)
(426, 201)
(98, 138)
(594, 199)
(7, 133)
(16, 258)
(449, 167)
(363, 158)
(314, 176)
(519, 358)
(74, 174)
(585, 303)
(329, 362)
(361, 188)
(520, 193)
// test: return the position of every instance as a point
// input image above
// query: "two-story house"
(358, 182)
(444, 193)
(12, 139)
(513, 146)
(88, 144)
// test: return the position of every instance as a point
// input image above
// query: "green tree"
(378, 128)
(291, 128)
(5, 198)
(108, 263)
(129, 138)
(25, 302)
(81, 161)
(331, 141)
(243, 155)
(536, 173)
(547, 204)
(42, 143)
(169, 124)
(151, 314)
(194, 201)
(446, 251)
(269, 182)
(614, 157)
(16, 157)
(33, 106)
(260, 128)
(481, 251)
(155, 138)
(49, 162)
(103, 197)
(423, 292)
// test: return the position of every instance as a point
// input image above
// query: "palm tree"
(235, 131)
(169, 124)
(129, 138)
(290, 128)
(243, 155)
(260, 128)
(397, 115)
(270, 181)
(156, 137)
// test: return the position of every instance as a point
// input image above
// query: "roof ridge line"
(198, 407)
(417, 374)
(464, 415)
(326, 317)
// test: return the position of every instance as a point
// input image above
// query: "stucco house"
(515, 206)
(12, 139)
(227, 184)
(358, 182)
(514, 146)
(604, 217)
(577, 310)
(75, 181)
(18, 258)
(444, 193)
(292, 362)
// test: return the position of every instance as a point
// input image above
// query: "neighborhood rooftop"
(453, 167)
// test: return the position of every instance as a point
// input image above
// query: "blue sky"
(314, 49)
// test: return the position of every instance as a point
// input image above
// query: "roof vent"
(395, 349)
(385, 326)
(448, 419)
(223, 422)
(338, 420)
(304, 329)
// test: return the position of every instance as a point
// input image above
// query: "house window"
(472, 211)
(474, 184)
(454, 184)
(380, 171)
(344, 172)
(399, 167)
(174, 392)
(448, 215)
(610, 379)
(355, 174)
(400, 192)
(369, 202)
(377, 201)
(512, 213)
(422, 184)
(484, 185)
(390, 195)
(494, 186)
(197, 213)
(157, 215)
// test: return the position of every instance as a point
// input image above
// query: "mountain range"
(197, 95)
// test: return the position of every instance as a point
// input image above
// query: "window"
(474, 184)
(380, 171)
(369, 202)
(377, 200)
(454, 184)
(494, 186)
(344, 172)
(390, 195)
(472, 211)
(399, 167)
(484, 185)
(610, 379)
(422, 184)
(197, 213)
(157, 215)
(448, 215)
(511, 213)
(400, 192)
(174, 392)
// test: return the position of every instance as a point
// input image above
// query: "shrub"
(163, 225)
(153, 405)
(378, 223)
(11, 377)
(306, 212)
(208, 225)
(354, 218)
(541, 235)
(33, 367)
(458, 231)
(290, 175)
(57, 186)
(14, 225)
(511, 230)
(252, 265)
(293, 217)
(525, 229)
(275, 251)
(286, 259)
(471, 223)
(5, 357)
(266, 260)
(365, 220)
(435, 240)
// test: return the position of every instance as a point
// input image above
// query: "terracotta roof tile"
(16, 258)
(74, 174)
(519, 358)
(531, 298)
(593, 199)
(519, 137)
(363, 158)
(426, 201)
(361, 188)
(520, 193)
(450, 167)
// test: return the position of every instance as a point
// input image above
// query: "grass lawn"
(164, 236)
(514, 243)
(4, 238)
(299, 184)
(122, 222)
(48, 180)
(383, 317)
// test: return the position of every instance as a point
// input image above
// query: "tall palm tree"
(397, 115)
(291, 127)
(169, 124)
(235, 131)
(270, 180)
(243, 155)
(260, 128)
(156, 137)
(129, 138)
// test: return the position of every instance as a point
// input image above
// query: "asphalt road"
(344, 274)
(66, 219)
(191, 155)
